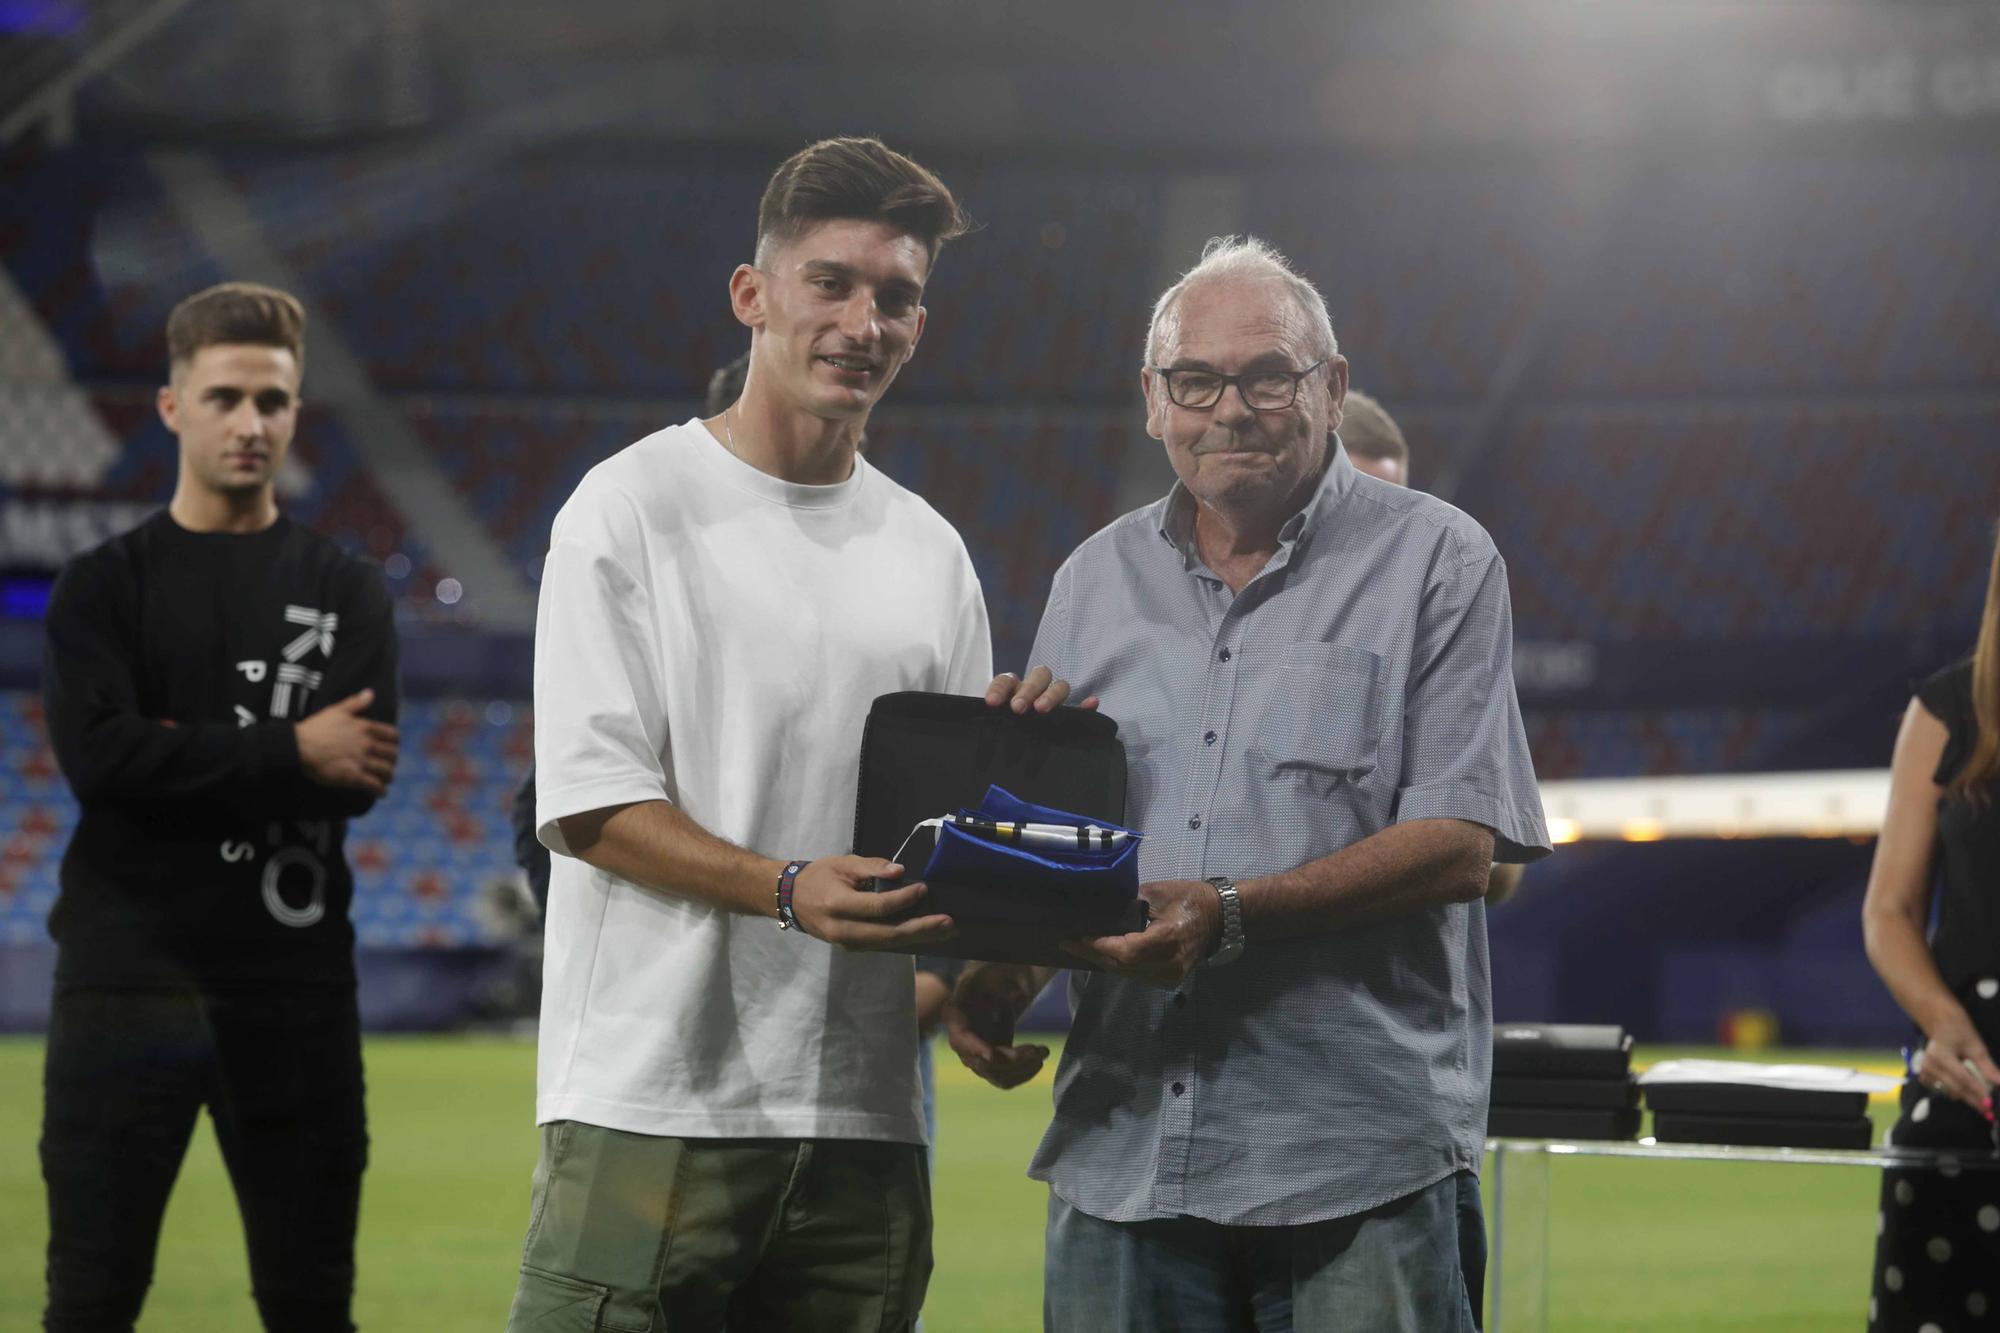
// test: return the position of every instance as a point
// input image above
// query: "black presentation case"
(924, 755)
(1561, 1050)
(1562, 1081)
(1762, 1131)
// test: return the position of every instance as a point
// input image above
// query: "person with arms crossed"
(1267, 1096)
(221, 694)
(1937, 1256)
(727, 1083)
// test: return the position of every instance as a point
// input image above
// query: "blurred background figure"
(1373, 439)
(1375, 443)
(221, 693)
(1939, 859)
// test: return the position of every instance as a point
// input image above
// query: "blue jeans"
(1472, 1244)
(927, 1079)
(1392, 1269)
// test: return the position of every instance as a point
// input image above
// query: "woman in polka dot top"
(1937, 1260)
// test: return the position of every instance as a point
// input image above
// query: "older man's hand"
(1184, 928)
(1039, 690)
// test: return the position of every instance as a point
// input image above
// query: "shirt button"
(1179, 1088)
(1208, 738)
(1195, 822)
(1224, 654)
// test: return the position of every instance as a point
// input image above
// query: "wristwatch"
(1230, 948)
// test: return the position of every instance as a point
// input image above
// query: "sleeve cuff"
(1519, 836)
(551, 806)
(278, 751)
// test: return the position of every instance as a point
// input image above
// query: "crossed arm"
(333, 763)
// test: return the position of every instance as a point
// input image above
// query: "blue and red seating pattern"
(607, 274)
(1744, 523)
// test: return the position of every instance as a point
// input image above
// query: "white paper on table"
(1815, 1078)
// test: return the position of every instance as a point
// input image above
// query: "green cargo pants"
(643, 1234)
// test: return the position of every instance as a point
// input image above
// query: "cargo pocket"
(1325, 717)
(551, 1303)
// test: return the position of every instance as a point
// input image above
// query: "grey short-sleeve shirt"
(1362, 679)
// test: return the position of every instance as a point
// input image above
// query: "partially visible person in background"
(935, 978)
(725, 386)
(1375, 444)
(1937, 1259)
(1374, 441)
(221, 693)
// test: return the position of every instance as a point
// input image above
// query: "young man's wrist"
(788, 917)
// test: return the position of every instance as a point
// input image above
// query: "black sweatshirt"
(177, 665)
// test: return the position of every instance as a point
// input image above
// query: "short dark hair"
(725, 386)
(1370, 432)
(236, 312)
(861, 179)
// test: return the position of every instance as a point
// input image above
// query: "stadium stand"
(1733, 275)
(559, 285)
(1430, 269)
(517, 463)
(1700, 523)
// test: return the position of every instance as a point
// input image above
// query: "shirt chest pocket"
(1324, 719)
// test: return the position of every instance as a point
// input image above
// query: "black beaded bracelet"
(787, 918)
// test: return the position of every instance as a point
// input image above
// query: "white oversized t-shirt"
(713, 636)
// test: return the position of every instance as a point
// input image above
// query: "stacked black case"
(1759, 1115)
(1562, 1081)
(923, 755)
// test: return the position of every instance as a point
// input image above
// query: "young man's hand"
(831, 905)
(340, 748)
(979, 1021)
(1040, 691)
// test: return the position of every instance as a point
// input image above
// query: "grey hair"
(1243, 258)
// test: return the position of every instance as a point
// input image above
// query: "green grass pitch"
(1634, 1245)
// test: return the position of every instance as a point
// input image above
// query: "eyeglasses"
(1261, 390)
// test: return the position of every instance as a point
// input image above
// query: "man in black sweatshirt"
(221, 692)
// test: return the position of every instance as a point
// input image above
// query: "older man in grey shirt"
(1268, 1093)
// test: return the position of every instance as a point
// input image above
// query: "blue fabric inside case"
(966, 858)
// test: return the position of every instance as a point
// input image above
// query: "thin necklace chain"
(729, 430)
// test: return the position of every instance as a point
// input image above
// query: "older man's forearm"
(1405, 868)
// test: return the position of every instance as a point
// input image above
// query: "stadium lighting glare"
(1643, 830)
(1841, 804)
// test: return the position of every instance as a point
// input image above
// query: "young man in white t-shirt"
(731, 1132)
